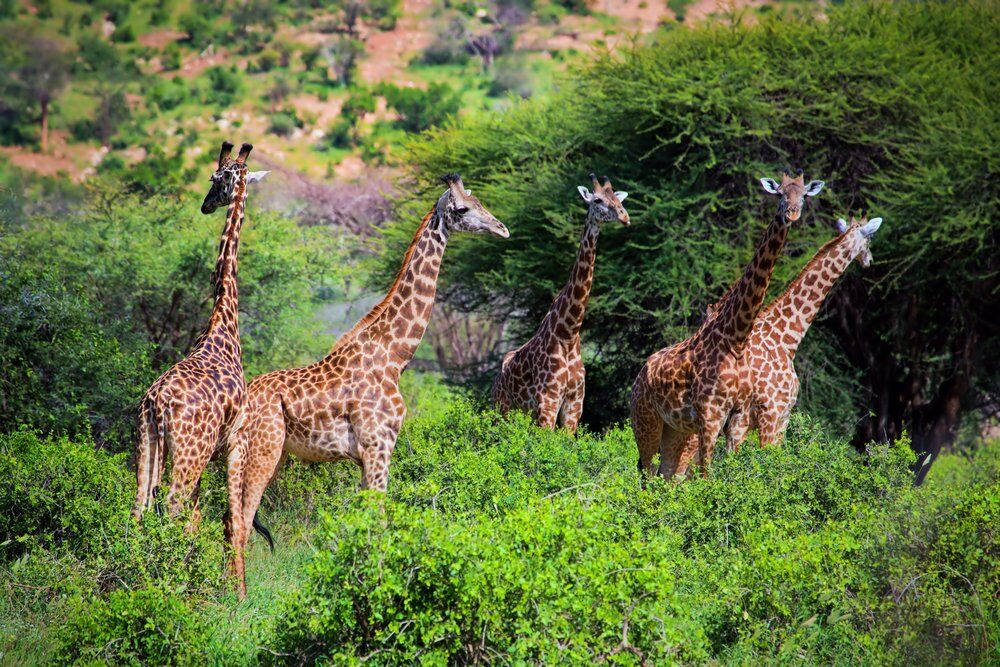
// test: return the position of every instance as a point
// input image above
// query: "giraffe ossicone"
(546, 377)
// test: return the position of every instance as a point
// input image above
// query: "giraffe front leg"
(736, 429)
(235, 526)
(377, 432)
(647, 428)
(771, 427)
(676, 451)
(547, 408)
(572, 409)
(706, 443)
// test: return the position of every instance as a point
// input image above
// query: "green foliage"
(500, 541)
(142, 627)
(687, 126)
(421, 109)
(56, 492)
(66, 525)
(223, 86)
(63, 367)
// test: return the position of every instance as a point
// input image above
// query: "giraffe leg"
(265, 441)
(736, 429)
(235, 525)
(772, 427)
(191, 453)
(676, 451)
(376, 439)
(572, 408)
(706, 444)
(647, 427)
(547, 409)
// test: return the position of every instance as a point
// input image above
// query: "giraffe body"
(192, 409)
(691, 387)
(348, 404)
(771, 385)
(545, 377)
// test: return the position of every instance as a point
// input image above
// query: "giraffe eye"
(462, 210)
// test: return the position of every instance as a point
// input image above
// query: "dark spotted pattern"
(770, 386)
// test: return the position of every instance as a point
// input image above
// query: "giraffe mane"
(819, 256)
(380, 307)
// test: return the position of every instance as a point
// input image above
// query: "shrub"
(284, 123)
(142, 627)
(65, 501)
(87, 322)
(57, 492)
(223, 86)
(421, 109)
(504, 542)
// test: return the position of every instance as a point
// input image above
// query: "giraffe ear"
(841, 225)
(585, 193)
(869, 230)
(621, 195)
(468, 193)
(254, 176)
(813, 188)
(770, 185)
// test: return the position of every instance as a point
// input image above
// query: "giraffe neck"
(565, 317)
(790, 315)
(398, 322)
(741, 306)
(224, 320)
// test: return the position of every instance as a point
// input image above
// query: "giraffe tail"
(262, 529)
(158, 455)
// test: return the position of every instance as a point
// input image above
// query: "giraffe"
(690, 387)
(348, 404)
(545, 376)
(191, 408)
(771, 388)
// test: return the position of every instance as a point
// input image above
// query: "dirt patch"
(324, 112)
(388, 53)
(75, 161)
(636, 15)
(699, 10)
(210, 57)
(160, 38)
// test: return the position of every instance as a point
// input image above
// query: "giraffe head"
(793, 192)
(604, 203)
(228, 172)
(861, 232)
(460, 211)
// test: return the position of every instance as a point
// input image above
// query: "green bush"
(57, 492)
(421, 109)
(505, 542)
(88, 324)
(141, 627)
(66, 507)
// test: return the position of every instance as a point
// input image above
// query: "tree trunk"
(45, 125)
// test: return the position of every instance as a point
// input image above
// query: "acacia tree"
(687, 125)
(37, 70)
